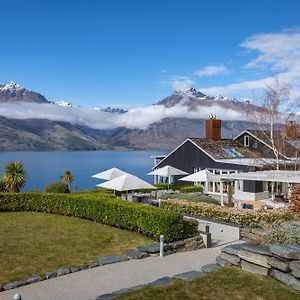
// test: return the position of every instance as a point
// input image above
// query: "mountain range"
(49, 135)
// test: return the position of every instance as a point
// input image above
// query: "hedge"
(200, 198)
(231, 215)
(179, 187)
(106, 209)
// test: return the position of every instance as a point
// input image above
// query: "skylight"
(232, 152)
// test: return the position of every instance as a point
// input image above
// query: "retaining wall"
(280, 261)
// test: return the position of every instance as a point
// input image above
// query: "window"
(232, 152)
(246, 140)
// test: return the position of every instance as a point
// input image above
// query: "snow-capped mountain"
(63, 103)
(12, 92)
(109, 109)
(193, 98)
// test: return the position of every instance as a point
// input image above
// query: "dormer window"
(246, 140)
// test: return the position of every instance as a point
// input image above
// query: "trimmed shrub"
(106, 209)
(57, 187)
(181, 188)
(287, 233)
(231, 215)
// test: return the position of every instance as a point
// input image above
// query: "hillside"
(49, 135)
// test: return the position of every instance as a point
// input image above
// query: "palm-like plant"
(67, 178)
(14, 176)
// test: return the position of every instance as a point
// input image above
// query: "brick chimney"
(291, 131)
(213, 128)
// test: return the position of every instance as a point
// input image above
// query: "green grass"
(33, 243)
(222, 284)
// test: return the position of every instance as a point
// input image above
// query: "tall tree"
(67, 178)
(14, 176)
(273, 115)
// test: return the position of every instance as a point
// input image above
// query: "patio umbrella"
(167, 171)
(110, 174)
(202, 176)
(126, 182)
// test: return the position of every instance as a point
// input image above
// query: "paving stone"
(152, 248)
(255, 258)
(105, 297)
(63, 271)
(279, 263)
(74, 269)
(121, 291)
(264, 250)
(133, 254)
(189, 275)
(210, 267)
(232, 249)
(106, 260)
(286, 251)
(137, 287)
(176, 245)
(233, 259)
(92, 264)
(14, 284)
(286, 279)
(253, 268)
(49, 275)
(295, 267)
(161, 281)
(33, 279)
(222, 262)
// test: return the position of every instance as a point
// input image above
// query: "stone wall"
(253, 234)
(280, 261)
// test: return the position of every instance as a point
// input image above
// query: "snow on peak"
(64, 104)
(11, 86)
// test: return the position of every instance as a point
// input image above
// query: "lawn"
(222, 284)
(33, 243)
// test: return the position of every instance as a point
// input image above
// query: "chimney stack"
(213, 128)
(291, 131)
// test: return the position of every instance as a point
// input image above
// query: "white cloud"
(277, 53)
(211, 71)
(135, 118)
(178, 83)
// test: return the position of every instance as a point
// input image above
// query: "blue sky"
(135, 52)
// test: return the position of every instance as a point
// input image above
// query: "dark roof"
(225, 149)
(285, 146)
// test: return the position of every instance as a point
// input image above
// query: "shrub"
(201, 198)
(287, 233)
(57, 187)
(106, 209)
(231, 215)
(295, 200)
(3, 188)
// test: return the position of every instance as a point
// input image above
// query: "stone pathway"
(89, 284)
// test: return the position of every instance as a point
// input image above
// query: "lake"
(45, 167)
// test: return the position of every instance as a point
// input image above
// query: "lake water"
(45, 167)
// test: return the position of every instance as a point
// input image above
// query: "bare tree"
(273, 115)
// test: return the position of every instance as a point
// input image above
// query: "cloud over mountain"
(135, 118)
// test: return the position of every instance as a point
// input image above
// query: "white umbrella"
(126, 183)
(110, 174)
(167, 171)
(202, 176)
